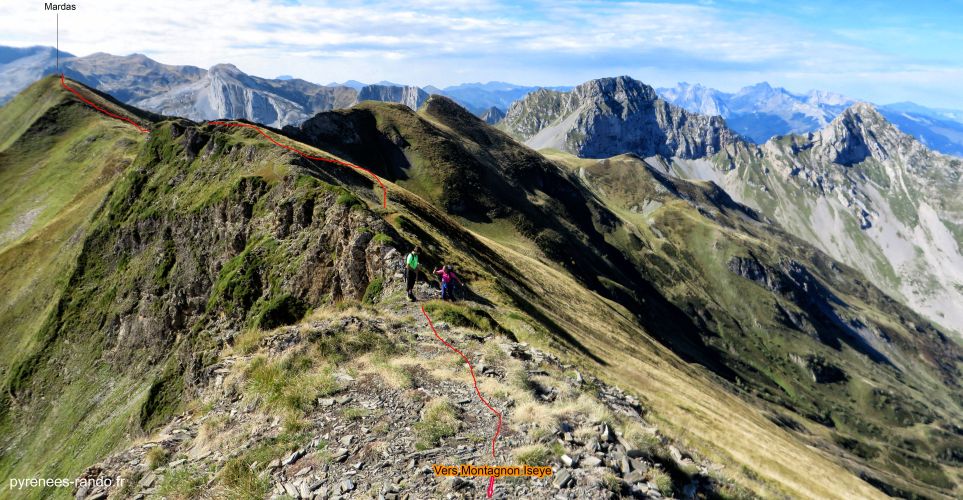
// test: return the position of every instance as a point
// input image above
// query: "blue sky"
(877, 51)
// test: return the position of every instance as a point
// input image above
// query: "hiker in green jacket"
(411, 271)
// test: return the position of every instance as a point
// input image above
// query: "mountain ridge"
(735, 331)
(761, 112)
(804, 182)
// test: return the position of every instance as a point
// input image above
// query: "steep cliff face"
(867, 194)
(226, 92)
(614, 115)
(492, 115)
(859, 189)
(199, 233)
(859, 134)
(410, 96)
(697, 99)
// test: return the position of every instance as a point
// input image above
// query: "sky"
(882, 52)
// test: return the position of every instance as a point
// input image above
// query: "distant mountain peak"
(411, 96)
(761, 86)
(862, 109)
(614, 115)
(858, 133)
(827, 98)
(492, 115)
(621, 88)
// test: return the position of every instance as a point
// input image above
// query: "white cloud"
(418, 41)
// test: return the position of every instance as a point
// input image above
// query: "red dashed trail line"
(474, 381)
(63, 83)
(384, 190)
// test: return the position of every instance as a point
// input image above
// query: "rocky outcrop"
(258, 254)
(227, 92)
(492, 115)
(410, 96)
(861, 133)
(363, 434)
(611, 116)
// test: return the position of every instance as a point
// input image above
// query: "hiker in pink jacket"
(447, 278)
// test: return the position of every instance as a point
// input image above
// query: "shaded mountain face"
(614, 115)
(492, 115)
(892, 206)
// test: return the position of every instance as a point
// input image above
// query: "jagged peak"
(858, 133)
(612, 84)
(860, 109)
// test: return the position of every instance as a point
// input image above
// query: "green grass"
(156, 456)
(340, 346)
(662, 480)
(183, 483)
(648, 443)
(240, 482)
(439, 420)
(289, 385)
(350, 200)
(237, 479)
(164, 398)
(383, 239)
(281, 309)
(464, 316)
(535, 454)
(355, 413)
(53, 178)
(373, 291)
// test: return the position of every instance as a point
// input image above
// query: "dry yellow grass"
(727, 429)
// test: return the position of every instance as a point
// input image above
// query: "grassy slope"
(686, 266)
(59, 160)
(855, 408)
(609, 331)
(92, 415)
(72, 273)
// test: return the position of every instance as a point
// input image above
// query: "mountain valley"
(652, 297)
